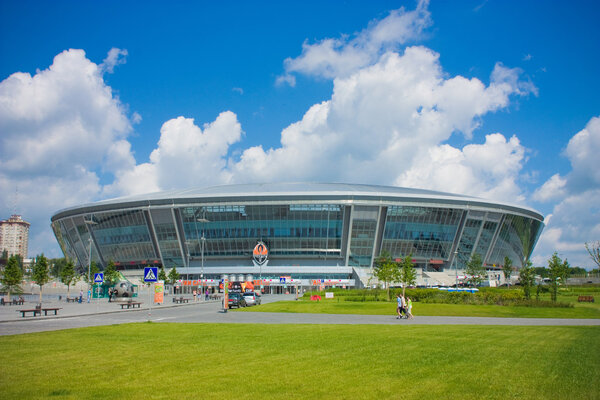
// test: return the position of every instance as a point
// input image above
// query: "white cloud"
(576, 215)
(186, 156)
(553, 189)
(385, 122)
(334, 58)
(490, 170)
(115, 57)
(58, 127)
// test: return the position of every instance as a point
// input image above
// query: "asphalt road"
(104, 313)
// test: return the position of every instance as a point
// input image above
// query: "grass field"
(333, 306)
(165, 361)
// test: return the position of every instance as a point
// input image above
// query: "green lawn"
(430, 309)
(164, 361)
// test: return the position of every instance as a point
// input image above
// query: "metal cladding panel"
(296, 192)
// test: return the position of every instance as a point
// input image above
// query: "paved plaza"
(95, 313)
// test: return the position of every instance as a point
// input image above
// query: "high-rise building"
(14, 235)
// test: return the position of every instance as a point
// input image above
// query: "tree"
(68, 275)
(559, 271)
(41, 272)
(173, 276)
(386, 270)
(162, 275)
(475, 269)
(507, 269)
(57, 265)
(408, 274)
(594, 250)
(12, 276)
(111, 275)
(527, 278)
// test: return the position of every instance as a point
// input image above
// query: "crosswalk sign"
(99, 277)
(150, 274)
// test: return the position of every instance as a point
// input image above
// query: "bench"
(39, 310)
(130, 304)
(585, 299)
(180, 300)
(72, 299)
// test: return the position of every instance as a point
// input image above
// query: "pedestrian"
(109, 295)
(409, 308)
(89, 295)
(399, 306)
(80, 296)
(194, 296)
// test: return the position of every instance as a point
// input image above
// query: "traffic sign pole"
(150, 276)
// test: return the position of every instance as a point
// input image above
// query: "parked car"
(252, 298)
(236, 300)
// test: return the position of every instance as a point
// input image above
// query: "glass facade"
(303, 230)
(516, 240)
(364, 226)
(424, 232)
(298, 233)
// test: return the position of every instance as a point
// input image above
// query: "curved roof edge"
(297, 190)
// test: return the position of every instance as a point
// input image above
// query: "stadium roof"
(291, 191)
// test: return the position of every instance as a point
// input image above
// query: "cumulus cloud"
(490, 170)
(60, 128)
(576, 215)
(187, 155)
(333, 58)
(385, 124)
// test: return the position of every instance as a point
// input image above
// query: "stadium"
(285, 235)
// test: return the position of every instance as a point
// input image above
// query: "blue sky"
(198, 60)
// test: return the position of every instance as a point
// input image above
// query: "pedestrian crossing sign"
(150, 274)
(99, 277)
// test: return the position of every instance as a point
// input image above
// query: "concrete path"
(75, 315)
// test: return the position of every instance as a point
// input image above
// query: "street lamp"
(456, 266)
(89, 223)
(202, 220)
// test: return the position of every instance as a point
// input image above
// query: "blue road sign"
(99, 277)
(150, 274)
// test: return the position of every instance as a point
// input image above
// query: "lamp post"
(202, 220)
(89, 223)
(456, 267)
(202, 267)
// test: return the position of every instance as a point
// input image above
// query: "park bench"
(38, 310)
(130, 304)
(72, 299)
(180, 300)
(585, 299)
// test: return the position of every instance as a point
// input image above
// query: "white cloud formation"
(576, 216)
(186, 156)
(58, 127)
(386, 122)
(334, 58)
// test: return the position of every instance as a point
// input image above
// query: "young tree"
(475, 269)
(408, 274)
(173, 276)
(507, 269)
(12, 276)
(386, 270)
(559, 271)
(594, 250)
(527, 278)
(162, 275)
(111, 275)
(68, 275)
(41, 273)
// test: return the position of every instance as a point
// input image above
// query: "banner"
(159, 291)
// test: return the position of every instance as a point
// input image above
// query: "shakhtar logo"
(260, 253)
